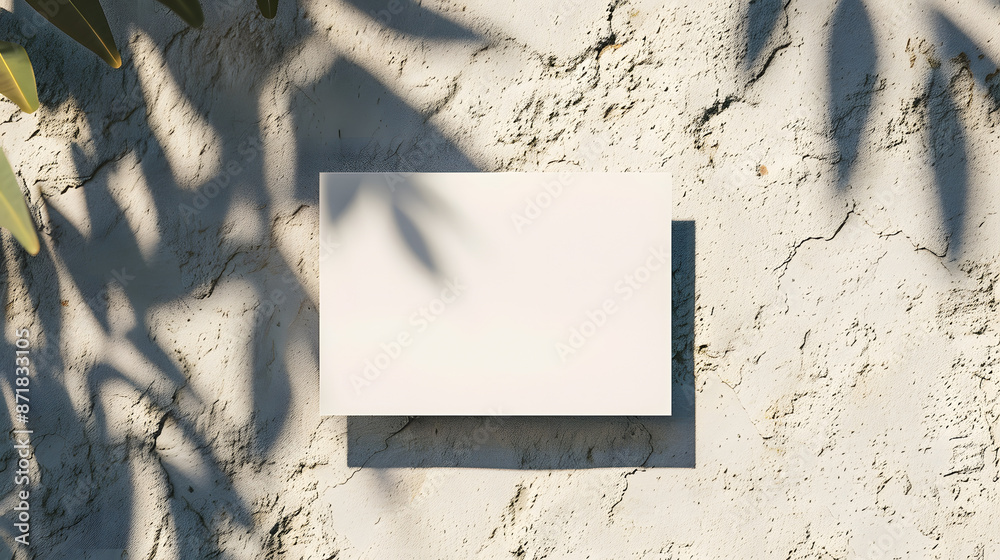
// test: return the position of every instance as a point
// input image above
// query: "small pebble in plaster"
(761, 171)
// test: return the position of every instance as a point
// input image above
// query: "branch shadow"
(553, 442)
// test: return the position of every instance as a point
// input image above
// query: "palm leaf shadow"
(111, 244)
(852, 67)
(237, 122)
(112, 256)
(350, 121)
(270, 376)
(89, 258)
(73, 506)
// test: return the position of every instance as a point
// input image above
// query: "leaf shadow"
(112, 250)
(761, 20)
(110, 255)
(67, 439)
(414, 239)
(852, 81)
(350, 121)
(947, 140)
(401, 140)
(407, 16)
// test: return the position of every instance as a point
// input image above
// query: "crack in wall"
(795, 249)
(370, 457)
(611, 511)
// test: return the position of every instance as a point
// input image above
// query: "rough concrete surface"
(835, 267)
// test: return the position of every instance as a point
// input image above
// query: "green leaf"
(84, 22)
(269, 8)
(17, 79)
(13, 211)
(188, 10)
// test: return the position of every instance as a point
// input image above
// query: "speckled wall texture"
(835, 266)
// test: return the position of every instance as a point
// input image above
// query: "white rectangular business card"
(495, 294)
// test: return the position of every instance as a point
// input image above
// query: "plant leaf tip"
(28, 107)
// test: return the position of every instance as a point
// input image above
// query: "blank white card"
(495, 294)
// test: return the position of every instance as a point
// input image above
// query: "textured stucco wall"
(835, 267)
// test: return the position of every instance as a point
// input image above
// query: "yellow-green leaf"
(188, 10)
(13, 211)
(269, 8)
(17, 79)
(84, 21)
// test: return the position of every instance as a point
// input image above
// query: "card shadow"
(552, 442)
